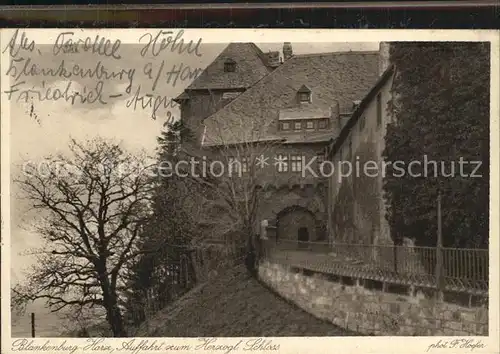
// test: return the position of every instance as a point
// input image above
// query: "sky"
(54, 123)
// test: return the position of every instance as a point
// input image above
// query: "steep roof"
(305, 112)
(353, 119)
(251, 66)
(319, 137)
(335, 81)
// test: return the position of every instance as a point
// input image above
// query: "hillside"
(232, 305)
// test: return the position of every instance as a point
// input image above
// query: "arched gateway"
(298, 224)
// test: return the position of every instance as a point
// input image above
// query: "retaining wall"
(373, 312)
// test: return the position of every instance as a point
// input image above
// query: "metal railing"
(458, 269)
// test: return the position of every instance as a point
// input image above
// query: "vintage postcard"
(231, 190)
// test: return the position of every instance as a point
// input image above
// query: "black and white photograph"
(204, 184)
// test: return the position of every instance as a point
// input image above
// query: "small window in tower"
(229, 66)
(310, 125)
(322, 124)
(297, 126)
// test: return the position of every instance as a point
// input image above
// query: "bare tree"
(92, 206)
(17, 305)
(242, 146)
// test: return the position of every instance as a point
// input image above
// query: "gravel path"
(234, 305)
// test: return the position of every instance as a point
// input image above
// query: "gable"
(250, 62)
(334, 79)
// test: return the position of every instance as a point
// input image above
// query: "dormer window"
(304, 97)
(229, 66)
(304, 94)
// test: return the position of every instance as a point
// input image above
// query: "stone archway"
(296, 224)
(308, 202)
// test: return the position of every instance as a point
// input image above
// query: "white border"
(287, 344)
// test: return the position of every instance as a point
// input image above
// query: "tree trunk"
(113, 314)
(116, 320)
(250, 259)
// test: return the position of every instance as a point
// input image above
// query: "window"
(379, 110)
(235, 164)
(322, 124)
(310, 125)
(296, 163)
(229, 66)
(305, 97)
(361, 123)
(282, 163)
(244, 165)
(285, 126)
(321, 158)
(304, 94)
(297, 125)
(326, 168)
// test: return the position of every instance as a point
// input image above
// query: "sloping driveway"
(235, 305)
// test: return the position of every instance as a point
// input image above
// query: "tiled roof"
(333, 78)
(181, 97)
(351, 122)
(309, 138)
(305, 112)
(251, 66)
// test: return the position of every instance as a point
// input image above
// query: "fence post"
(439, 252)
(33, 325)
(395, 258)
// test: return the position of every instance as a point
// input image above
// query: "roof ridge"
(213, 61)
(260, 54)
(253, 46)
(256, 47)
(358, 52)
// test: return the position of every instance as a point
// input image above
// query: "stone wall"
(357, 206)
(373, 312)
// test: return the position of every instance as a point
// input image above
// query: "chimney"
(273, 59)
(384, 58)
(287, 51)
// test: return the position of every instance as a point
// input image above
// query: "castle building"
(356, 205)
(296, 112)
